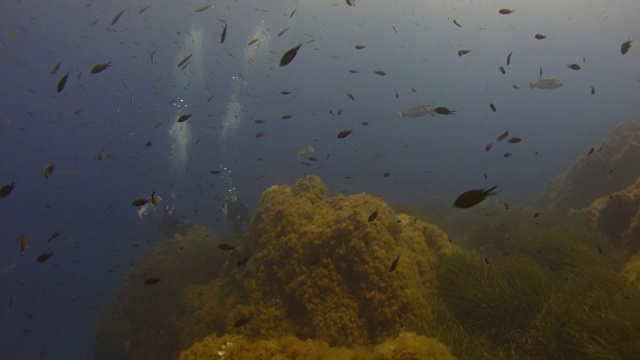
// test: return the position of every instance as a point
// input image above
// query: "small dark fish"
(184, 60)
(354, 71)
(488, 147)
(351, 96)
(253, 41)
(515, 86)
(98, 68)
(443, 111)
(151, 281)
(473, 197)
(24, 243)
(493, 107)
(386, 174)
(117, 17)
(152, 58)
(506, 155)
(502, 70)
(44, 257)
(243, 260)
(456, 23)
(536, 214)
(463, 52)
(55, 68)
(359, 47)
(313, 158)
(364, 123)
(506, 206)
(373, 216)
(344, 133)
(54, 235)
(48, 170)
(509, 58)
(202, 8)
(215, 172)
(62, 82)
(351, 2)
(258, 121)
(100, 155)
(591, 151)
(226, 247)
(503, 136)
(242, 321)
(574, 66)
(281, 32)
(285, 92)
(380, 73)
(340, 111)
(259, 134)
(144, 9)
(593, 90)
(183, 118)
(599, 249)
(6, 190)
(147, 144)
(394, 29)
(139, 202)
(394, 264)
(626, 46)
(397, 94)
(288, 56)
(486, 260)
(293, 12)
(331, 112)
(224, 34)
(541, 70)
(540, 36)
(514, 140)
(505, 11)
(155, 200)
(286, 117)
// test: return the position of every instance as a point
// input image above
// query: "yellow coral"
(319, 269)
(230, 347)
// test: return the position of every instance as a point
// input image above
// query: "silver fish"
(417, 111)
(307, 149)
(546, 83)
(148, 207)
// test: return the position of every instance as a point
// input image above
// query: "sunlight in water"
(252, 53)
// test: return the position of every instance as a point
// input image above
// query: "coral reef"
(631, 270)
(613, 165)
(319, 269)
(140, 322)
(617, 215)
(547, 287)
(236, 347)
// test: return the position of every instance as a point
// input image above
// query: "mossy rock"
(319, 268)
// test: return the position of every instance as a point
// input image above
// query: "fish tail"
(490, 190)
(401, 114)
(531, 86)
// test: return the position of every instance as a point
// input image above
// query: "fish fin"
(531, 85)
(401, 114)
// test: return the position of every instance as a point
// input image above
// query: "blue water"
(47, 310)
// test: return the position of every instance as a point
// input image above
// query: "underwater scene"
(339, 179)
